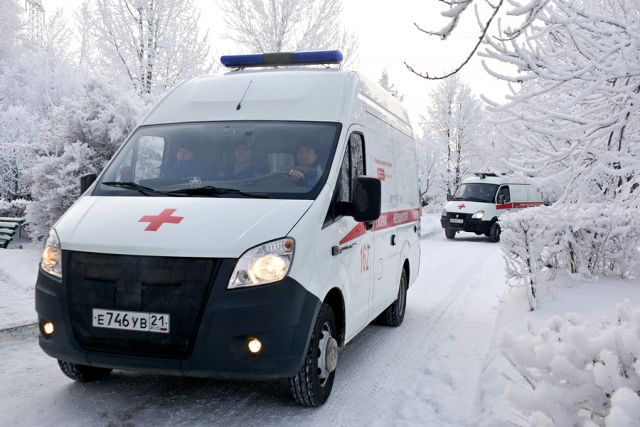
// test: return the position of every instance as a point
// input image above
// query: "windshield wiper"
(212, 191)
(137, 187)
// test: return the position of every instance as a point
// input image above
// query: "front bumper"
(469, 224)
(281, 315)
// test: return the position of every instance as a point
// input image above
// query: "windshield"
(223, 159)
(476, 192)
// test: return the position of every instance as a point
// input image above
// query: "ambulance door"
(386, 257)
(354, 239)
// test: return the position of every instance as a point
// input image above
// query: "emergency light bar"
(282, 59)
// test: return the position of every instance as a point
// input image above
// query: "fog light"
(47, 328)
(255, 346)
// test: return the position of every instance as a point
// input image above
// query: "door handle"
(393, 240)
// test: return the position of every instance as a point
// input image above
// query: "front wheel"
(83, 373)
(394, 314)
(312, 385)
(494, 232)
(450, 233)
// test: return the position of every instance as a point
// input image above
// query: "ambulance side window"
(356, 146)
(353, 164)
(503, 195)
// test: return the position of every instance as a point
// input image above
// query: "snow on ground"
(593, 301)
(18, 273)
(426, 372)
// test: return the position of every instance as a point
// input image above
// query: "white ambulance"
(252, 224)
(478, 203)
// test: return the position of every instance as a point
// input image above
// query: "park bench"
(8, 228)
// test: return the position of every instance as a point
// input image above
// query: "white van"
(251, 224)
(478, 203)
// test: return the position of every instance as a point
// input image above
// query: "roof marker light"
(282, 59)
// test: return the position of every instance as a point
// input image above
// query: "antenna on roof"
(282, 59)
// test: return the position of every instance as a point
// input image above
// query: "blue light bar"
(282, 59)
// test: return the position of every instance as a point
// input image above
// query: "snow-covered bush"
(586, 239)
(14, 208)
(578, 373)
(56, 187)
(82, 135)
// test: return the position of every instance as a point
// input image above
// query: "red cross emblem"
(461, 206)
(165, 217)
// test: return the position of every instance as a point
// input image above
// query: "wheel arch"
(335, 300)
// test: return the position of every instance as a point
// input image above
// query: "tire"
(312, 385)
(494, 232)
(394, 314)
(83, 373)
(450, 233)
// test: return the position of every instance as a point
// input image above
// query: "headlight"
(478, 215)
(263, 264)
(444, 212)
(51, 262)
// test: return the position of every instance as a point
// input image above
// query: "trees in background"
(261, 26)
(389, 87)
(574, 114)
(57, 123)
(455, 141)
(151, 44)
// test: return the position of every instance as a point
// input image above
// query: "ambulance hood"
(176, 226)
(461, 206)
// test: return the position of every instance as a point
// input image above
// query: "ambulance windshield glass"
(288, 160)
(476, 192)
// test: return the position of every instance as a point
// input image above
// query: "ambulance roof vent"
(282, 59)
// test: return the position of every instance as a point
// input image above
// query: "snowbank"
(429, 224)
(591, 302)
(18, 273)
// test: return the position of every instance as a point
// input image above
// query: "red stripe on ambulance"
(386, 220)
(518, 205)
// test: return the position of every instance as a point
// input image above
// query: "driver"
(307, 169)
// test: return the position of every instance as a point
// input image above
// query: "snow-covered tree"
(11, 27)
(576, 98)
(20, 133)
(454, 125)
(151, 45)
(485, 14)
(261, 26)
(390, 87)
(58, 186)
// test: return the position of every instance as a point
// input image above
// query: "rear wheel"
(450, 233)
(312, 385)
(394, 314)
(494, 232)
(83, 373)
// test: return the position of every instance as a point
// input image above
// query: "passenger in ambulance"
(307, 170)
(186, 165)
(244, 166)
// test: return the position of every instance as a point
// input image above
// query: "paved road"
(423, 373)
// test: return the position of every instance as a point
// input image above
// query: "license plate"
(456, 221)
(131, 320)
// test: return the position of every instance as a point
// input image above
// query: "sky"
(387, 38)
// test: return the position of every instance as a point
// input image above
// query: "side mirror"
(367, 199)
(449, 197)
(86, 181)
